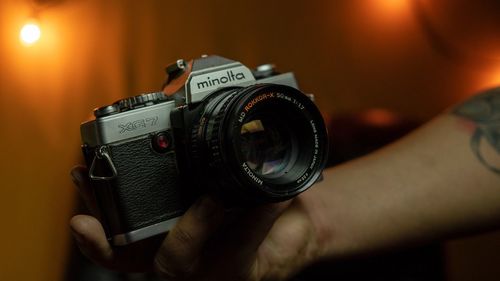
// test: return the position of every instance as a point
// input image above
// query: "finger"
(185, 242)
(247, 234)
(91, 239)
(79, 175)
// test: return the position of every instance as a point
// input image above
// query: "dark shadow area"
(351, 136)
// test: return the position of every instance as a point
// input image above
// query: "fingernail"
(205, 207)
(76, 177)
(79, 239)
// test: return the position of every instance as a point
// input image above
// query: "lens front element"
(266, 144)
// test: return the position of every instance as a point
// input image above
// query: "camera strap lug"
(102, 153)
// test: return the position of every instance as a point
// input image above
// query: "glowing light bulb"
(30, 33)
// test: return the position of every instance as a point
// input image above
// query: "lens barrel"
(261, 143)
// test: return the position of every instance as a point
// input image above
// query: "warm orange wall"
(353, 54)
(45, 91)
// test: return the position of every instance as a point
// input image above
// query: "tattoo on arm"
(484, 111)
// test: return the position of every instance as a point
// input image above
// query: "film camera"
(249, 136)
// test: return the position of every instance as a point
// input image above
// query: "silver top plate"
(128, 124)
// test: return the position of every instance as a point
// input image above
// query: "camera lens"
(263, 143)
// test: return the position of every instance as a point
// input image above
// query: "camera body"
(152, 155)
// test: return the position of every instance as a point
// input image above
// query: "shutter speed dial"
(141, 101)
(131, 103)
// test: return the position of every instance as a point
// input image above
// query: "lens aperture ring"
(213, 137)
(200, 147)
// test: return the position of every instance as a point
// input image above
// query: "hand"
(268, 242)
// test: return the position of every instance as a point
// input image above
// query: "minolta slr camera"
(246, 136)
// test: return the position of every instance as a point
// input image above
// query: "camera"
(218, 127)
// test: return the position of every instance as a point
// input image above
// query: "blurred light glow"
(389, 10)
(30, 33)
(493, 79)
(379, 117)
(393, 5)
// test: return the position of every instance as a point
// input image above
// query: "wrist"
(292, 243)
(320, 237)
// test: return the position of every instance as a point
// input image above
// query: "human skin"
(440, 181)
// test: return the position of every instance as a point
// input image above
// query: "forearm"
(430, 185)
